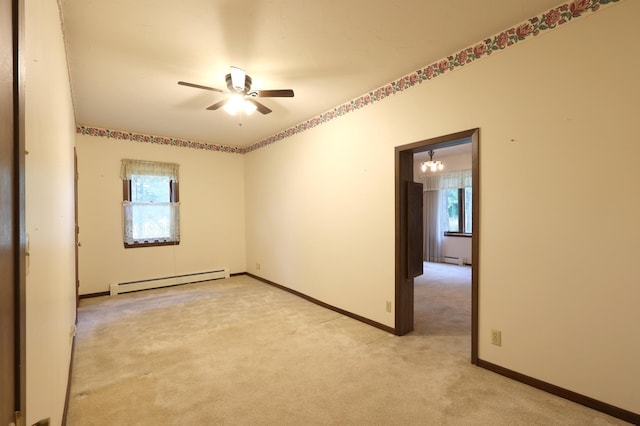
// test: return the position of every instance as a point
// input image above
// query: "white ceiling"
(126, 56)
(464, 148)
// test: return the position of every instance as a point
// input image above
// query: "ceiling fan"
(240, 96)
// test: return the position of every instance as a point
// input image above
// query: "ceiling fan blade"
(217, 105)
(263, 109)
(238, 78)
(285, 93)
(198, 86)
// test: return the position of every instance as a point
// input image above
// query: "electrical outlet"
(388, 305)
(257, 266)
(496, 337)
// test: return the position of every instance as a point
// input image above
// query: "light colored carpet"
(240, 352)
(442, 301)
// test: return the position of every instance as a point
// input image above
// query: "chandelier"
(433, 166)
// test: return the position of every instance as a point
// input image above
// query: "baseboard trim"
(325, 305)
(106, 293)
(603, 407)
(90, 295)
(65, 411)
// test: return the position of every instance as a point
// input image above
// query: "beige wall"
(457, 247)
(50, 281)
(317, 220)
(320, 205)
(211, 214)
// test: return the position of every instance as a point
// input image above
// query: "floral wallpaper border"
(139, 137)
(548, 20)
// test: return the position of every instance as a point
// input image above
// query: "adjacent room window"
(459, 211)
(150, 203)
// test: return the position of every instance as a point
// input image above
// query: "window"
(150, 203)
(459, 211)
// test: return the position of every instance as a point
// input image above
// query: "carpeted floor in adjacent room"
(240, 352)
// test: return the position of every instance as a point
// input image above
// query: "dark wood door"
(415, 227)
(9, 227)
(404, 284)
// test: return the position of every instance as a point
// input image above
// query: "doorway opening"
(442, 294)
(406, 241)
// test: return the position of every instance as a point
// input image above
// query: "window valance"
(453, 180)
(139, 167)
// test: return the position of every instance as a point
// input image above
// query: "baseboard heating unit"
(454, 260)
(148, 284)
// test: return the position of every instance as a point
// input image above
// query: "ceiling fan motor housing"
(247, 84)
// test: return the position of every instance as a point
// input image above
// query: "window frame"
(461, 217)
(174, 197)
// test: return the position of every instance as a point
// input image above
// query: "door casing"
(12, 217)
(404, 299)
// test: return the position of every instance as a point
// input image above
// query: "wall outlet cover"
(496, 337)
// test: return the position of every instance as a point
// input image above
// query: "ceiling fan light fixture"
(234, 105)
(237, 103)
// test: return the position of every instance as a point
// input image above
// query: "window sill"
(151, 244)
(458, 234)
